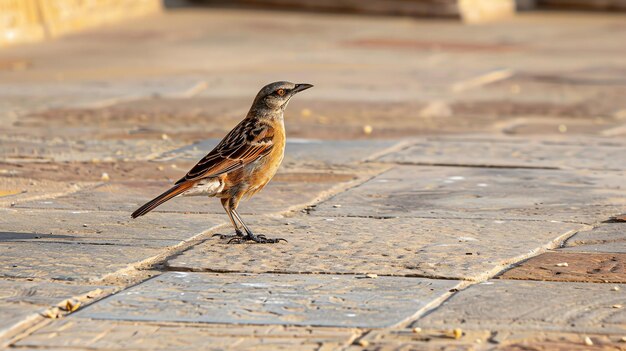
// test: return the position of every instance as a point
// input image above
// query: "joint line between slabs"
(398, 147)
(452, 217)
(504, 266)
(464, 165)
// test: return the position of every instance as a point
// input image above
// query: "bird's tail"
(152, 204)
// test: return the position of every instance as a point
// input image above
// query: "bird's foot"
(238, 234)
(260, 239)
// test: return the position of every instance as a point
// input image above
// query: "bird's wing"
(246, 143)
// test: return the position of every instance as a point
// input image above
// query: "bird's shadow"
(15, 236)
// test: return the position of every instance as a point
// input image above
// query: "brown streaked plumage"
(243, 162)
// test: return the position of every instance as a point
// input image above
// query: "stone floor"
(445, 187)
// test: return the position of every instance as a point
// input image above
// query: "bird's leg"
(261, 239)
(238, 232)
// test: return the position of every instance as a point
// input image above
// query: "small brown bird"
(243, 162)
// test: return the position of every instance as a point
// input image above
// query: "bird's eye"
(280, 92)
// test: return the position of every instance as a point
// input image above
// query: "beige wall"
(32, 20)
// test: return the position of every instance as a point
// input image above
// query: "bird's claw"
(259, 239)
(265, 240)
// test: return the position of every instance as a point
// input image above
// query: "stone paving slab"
(597, 248)
(60, 150)
(533, 305)
(311, 152)
(101, 227)
(22, 301)
(91, 244)
(608, 237)
(600, 343)
(14, 190)
(572, 267)
(73, 333)
(81, 263)
(513, 153)
(91, 172)
(424, 340)
(304, 300)
(450, 248)
(453, 192)
(278, 196)
(471, 340)
(51, 94)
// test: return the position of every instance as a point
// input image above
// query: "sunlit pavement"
(445, 186)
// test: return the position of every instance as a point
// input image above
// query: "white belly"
(205, 187)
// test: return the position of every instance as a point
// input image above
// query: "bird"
(242, 163)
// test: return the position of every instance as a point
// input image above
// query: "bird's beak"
(301, 87)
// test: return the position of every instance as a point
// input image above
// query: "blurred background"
(181, 71)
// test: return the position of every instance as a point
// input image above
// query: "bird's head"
(275, 96)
